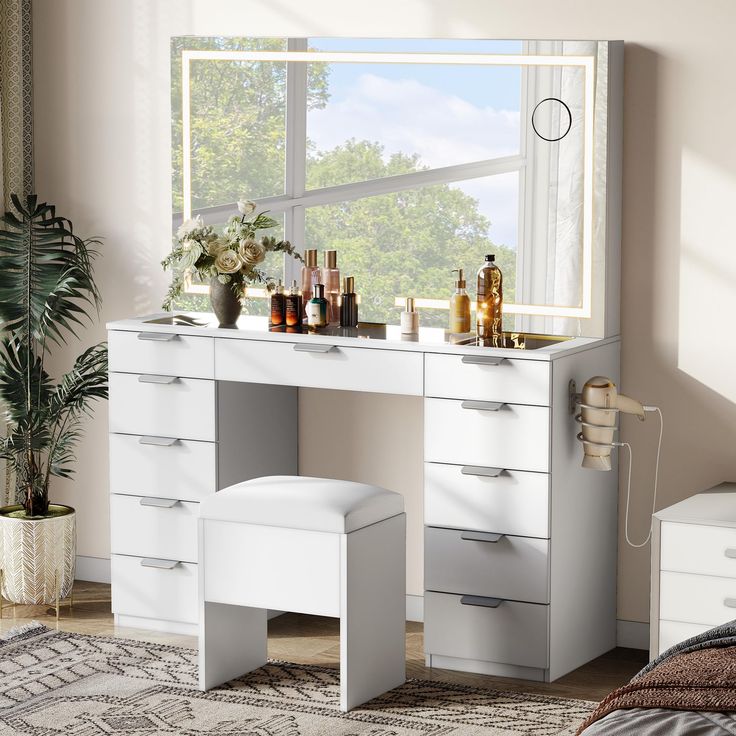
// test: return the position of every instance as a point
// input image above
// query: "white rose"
(246, 206)
(251, 252)
(228, 261)
(215, 247)
(189, 226)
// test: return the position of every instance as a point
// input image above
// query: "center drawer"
(165, 406)
(317, 365)
(509, 436)
(148, 526)
(479, 563)
(696, 599)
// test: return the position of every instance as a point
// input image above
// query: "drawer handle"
(484, 472)
(158, 441)
(157, 379)
(729, 602)
(483, 359)
(480, 600)
(482, 536)
(158, 336)
(730, 552)
(483, 405)
(161, 503)
(158, 563)
(305, 347)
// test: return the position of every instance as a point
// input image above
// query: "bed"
(688, 690)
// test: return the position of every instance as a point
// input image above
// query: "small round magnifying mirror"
(551, 119)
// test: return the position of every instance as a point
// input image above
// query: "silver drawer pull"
(481, 536)
(158, 441)
(158, 336)
(158, 563)
(478, 470)
(483, 405)
(730, 552)
(480, 600)
(729, 602)
(305, 347)
(157, 379)
(483, 359)
(161, 503)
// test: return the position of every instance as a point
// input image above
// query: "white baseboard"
(632, 634)
(93, 569)
(415, 608)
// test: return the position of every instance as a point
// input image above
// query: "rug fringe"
(26, 631)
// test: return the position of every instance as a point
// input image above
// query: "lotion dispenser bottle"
(460, 306)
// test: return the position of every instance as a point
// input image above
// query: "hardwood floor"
(315, 640)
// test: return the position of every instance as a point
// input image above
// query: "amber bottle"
(490, 304)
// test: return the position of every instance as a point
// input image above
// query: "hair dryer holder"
(576, 402)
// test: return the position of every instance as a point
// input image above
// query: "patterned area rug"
(56, 682)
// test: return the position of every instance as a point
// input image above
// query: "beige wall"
(102, 137)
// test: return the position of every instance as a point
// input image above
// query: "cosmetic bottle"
(278, 306)
(294, 311)
(348, 303)
(460, 306)
(331, 280)
(490, 304)
(317, 308)
(409, 319)
(310, 275)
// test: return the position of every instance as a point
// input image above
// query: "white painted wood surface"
(673, 632)
(696, 599)
(699, 549)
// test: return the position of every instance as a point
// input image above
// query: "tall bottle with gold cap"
(310, 275)
(331, 280)
(490, 304)
(460, 305)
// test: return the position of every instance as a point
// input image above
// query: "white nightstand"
(693, 567)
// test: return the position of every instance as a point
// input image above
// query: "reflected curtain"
(16, 121)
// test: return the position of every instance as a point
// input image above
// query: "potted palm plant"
(47, 291)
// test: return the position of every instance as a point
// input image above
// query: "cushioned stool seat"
(309, 545)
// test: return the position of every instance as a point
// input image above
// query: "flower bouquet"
(229, 260)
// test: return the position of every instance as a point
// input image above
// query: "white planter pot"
(37, 556)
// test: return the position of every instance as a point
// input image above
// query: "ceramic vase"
(225, 303)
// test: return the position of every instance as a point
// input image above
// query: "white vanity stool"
(308, 545)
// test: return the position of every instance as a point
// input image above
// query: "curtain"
(16, 123)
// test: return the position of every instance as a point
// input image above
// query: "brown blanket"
(703, 680)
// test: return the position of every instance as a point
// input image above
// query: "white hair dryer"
(600, 402)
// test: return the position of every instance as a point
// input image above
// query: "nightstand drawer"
(154, 588)
(469, 497)
(163, 406)
(704, 550)
(512, 633)
(163, 353)
(487, 434)
(318, 365)
(696, 599)
(486, 564)
(487, 378)
(162, 466)
(674, 632)
(151, 526)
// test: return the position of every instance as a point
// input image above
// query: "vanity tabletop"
(369, 335)
(714, 507)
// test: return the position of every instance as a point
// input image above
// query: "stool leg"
(232, 642)
(372, 611)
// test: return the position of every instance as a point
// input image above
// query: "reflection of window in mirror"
(407, 170)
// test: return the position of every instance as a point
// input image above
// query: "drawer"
(163, 353)
(696, 599)
(320, 366)
(705, 550)
(165, 467)
(183, 408)
(512, 633)
(481, 563)
(148, 526)
(167, 593)
(506, 436)
(487, 378)
(674, 632)
(468, 497)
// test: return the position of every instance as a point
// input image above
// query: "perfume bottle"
(331, 280)
(278, 306)
(310, 275)
(409, 319)
(294, 311)
(317, 308)
(348, 303)
(490, 304)
(460, 306)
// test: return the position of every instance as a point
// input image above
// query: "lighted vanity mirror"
(412, 158)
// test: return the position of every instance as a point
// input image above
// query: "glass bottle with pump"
(490, 304)
(460, 306)
(331, 280)
(310, 275)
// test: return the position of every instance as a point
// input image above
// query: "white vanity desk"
(520, 541)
